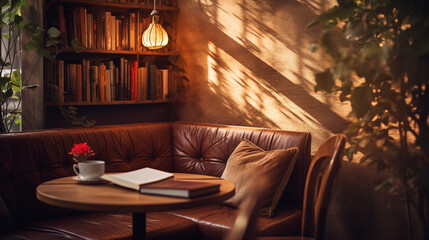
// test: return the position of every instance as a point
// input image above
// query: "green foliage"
(179, 73)
(71, 115)
(77, 45)
(11, 82)
(379, 55)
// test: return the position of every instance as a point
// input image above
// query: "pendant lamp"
(155, 36)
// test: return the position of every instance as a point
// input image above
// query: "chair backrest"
(319, 184)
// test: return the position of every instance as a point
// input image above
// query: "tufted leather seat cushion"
(215, 220)
(103, 226)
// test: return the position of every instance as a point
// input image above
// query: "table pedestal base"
(139, 226)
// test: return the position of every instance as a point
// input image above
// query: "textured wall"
(249, 63)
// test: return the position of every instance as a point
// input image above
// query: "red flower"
(81, 152)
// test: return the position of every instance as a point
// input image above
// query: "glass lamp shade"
(155, 36)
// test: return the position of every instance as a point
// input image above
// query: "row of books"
(119, 80)
(102, 30)
(159, 3)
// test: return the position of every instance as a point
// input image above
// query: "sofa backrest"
(29, 158)
(205, 148)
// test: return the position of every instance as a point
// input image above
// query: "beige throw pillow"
(248, 161)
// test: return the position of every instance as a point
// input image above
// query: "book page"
(136, 178)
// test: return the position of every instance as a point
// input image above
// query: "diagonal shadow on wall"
(277, 82)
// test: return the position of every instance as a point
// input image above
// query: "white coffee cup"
(89, 170)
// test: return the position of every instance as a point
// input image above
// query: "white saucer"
(89, 181)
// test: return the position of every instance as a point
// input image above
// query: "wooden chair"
(318, 188)
(320, 182)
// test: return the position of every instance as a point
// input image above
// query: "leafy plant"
(179, 73)
(69, 113)
(11, 83)
(379, 62)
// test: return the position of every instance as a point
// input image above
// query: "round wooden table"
(68, 193)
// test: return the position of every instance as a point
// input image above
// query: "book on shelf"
(74, 25)
(117, 84)
(122, 79)
(88, 80)
(135, 179)
(132, 31)
(85, 27)
(108, 29)
(111, 67)
(84, 80)
(73, 81)
(89, 28)
(128, 83)
(134, 76)
(79, 82)
(180, 188)
(93, 79)
(142, 82)
(113, 31)
(164, 82)
(61, 81)
(61, 23)
(102, 81)
(133, 79)
(108, 90)
(118, 31)
(152, 75)
(97, 30)
(159, 85)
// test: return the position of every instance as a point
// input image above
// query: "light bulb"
(155, 36)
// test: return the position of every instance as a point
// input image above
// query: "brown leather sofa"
(27, 159)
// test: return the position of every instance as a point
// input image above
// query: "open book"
(153, 181)
(135, 179)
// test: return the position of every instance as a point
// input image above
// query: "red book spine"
(135, 85)
(102, 79)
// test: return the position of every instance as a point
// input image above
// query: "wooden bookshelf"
(115, 49)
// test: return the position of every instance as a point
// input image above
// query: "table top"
(67, 192)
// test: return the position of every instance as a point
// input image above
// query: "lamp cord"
(154, 12)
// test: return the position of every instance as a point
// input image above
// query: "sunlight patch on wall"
(211, 66)
(276, 40)
(248, 94)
